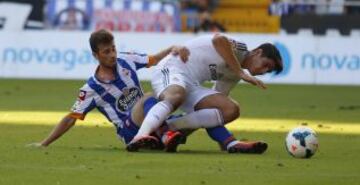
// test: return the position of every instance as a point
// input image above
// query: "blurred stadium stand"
(35, 20)
(116, 15)
(245, 16)
(266, 16)
(319, 16)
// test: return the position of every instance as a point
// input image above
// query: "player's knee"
(176, 99)
(175, 96)
(231, 113)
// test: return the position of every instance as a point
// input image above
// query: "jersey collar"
(107, 82)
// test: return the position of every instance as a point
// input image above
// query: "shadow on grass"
(104, 140)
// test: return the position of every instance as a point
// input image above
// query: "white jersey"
(204, 62)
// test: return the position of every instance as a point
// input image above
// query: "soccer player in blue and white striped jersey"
(114, 89)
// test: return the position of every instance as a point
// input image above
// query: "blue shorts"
(130, 129)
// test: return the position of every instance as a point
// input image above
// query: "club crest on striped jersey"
(125, 72)
(128, 98)
(82, 95)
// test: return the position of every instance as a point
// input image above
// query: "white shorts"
(172, 71)
(194, 95)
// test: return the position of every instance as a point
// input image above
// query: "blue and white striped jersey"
(114, 99)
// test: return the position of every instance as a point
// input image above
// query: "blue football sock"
(149, 103)
(220, 134)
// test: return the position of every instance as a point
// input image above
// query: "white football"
(302, 142)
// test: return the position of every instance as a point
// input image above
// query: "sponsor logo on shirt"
(213, 72)
(128, 99)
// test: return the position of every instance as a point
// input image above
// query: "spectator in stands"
(199, 5)
(336, 6)
(212, 4)
(351, 9)
(279, 8)
(302, 7)
(322, 7)
(2, 22)
(72, 19)
(206, 24)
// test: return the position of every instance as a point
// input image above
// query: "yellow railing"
(250, 24)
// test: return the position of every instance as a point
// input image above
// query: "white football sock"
(203, 118)
(155, 117)
(231, 144)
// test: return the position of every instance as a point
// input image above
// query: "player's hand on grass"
(252, 80)
(182, 51)
(35, 145)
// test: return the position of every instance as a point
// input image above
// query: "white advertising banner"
(66, 55)
(314, 60)
(45, 55)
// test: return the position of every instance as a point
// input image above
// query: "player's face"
(106, 54)
(260, 65)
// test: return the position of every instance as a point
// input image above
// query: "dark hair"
(271, 52)
(101, 36)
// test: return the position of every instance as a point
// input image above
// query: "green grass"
(91, 153)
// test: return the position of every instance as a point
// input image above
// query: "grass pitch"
(91, 153)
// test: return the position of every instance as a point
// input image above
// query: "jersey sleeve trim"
(77, 116)
(151, 61)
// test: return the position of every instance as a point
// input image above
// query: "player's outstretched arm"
(223, 47)
(64, 125)
(182, 51)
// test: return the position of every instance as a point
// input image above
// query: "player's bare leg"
(137, 112)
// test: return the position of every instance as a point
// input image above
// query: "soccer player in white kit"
(214, 57)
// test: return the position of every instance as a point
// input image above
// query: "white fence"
(66, 55)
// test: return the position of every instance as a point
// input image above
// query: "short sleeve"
(84, 104)
(137, 60)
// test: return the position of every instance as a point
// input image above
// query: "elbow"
(219, 40)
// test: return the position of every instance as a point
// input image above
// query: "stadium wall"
(66, 55)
